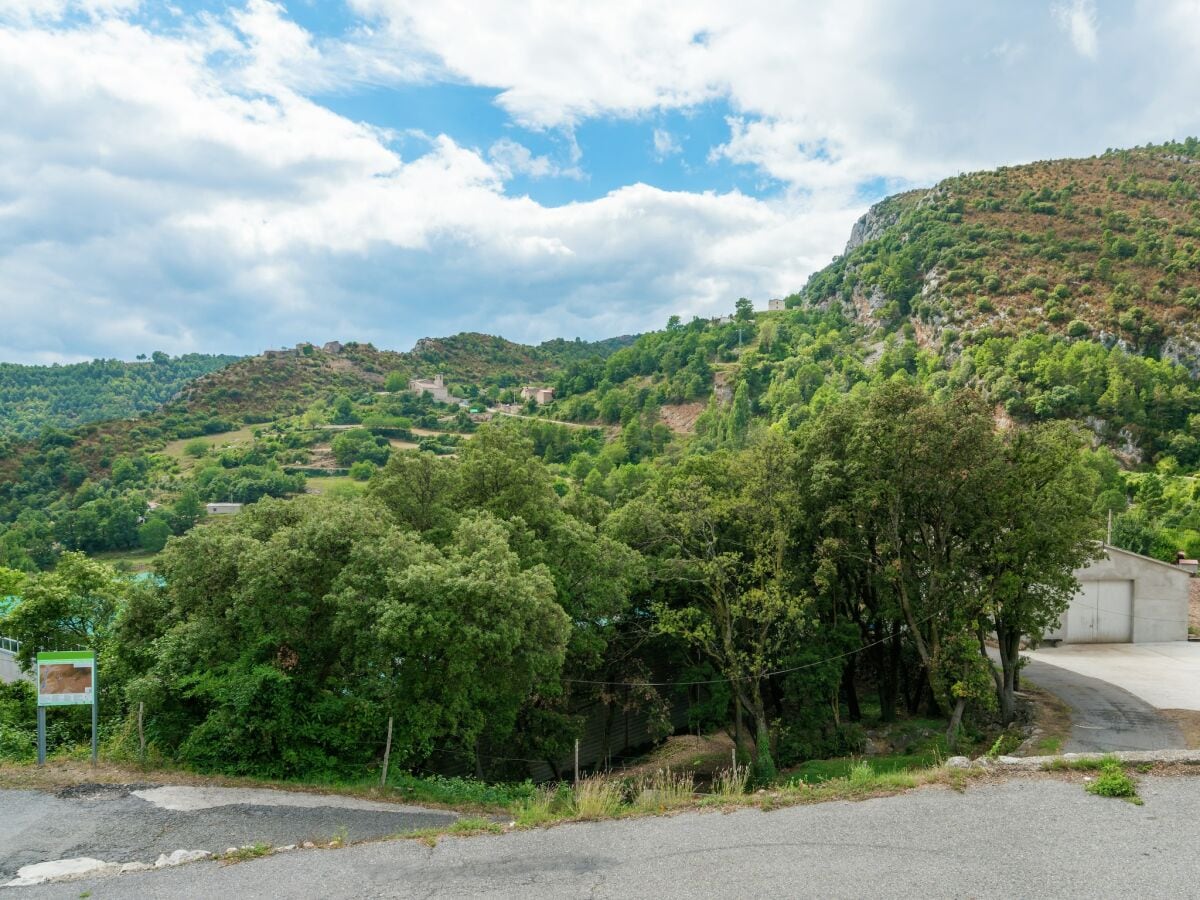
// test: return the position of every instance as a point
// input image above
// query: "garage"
(1125, 598)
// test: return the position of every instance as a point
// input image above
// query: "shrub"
(1077, 328)
(1113, 782)
(196, 448)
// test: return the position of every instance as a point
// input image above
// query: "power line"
(808, 665)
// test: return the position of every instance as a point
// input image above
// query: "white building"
(223, 509)
(436, 388)
(775, 304)
(1125, 598)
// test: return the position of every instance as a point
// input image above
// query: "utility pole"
(1108, 534)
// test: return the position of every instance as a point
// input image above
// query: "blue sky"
(225, 177)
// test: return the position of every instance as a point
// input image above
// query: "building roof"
(1109, 548)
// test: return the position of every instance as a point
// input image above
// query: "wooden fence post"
(387, 752)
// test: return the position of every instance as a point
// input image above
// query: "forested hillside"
(790, 523)
(34, 397)
(1106, 248)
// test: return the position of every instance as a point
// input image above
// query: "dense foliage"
(36, 397)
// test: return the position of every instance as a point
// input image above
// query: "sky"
(210, 177)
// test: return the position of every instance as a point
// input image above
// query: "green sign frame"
(66, 678)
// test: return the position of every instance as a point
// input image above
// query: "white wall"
(9, 670)
(1160, 595)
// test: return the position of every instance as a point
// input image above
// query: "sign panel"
(66, 678)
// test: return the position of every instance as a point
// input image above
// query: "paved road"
(114, 824)
(1023, 838)
(1103, 716)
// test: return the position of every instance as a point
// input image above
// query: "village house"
(223, 509)
(436, 388)
(542, 395)
(775, 304)
(332, 347)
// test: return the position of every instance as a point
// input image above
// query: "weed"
(1114, 782)
(339, 837)
(731, 782)
(1143, 768)
(548, 804)
(1048, 746)
(1005, 744)
(253, 851)
(664, 790)
(1081, 764)
(596, 798)
(474, 826)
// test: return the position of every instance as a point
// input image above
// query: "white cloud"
(513, 158)
(182, 190)
(665, 144)
(1078, 20)
(152, 199)
(26, 11)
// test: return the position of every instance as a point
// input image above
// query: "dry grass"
(664, 790)
(597, 798)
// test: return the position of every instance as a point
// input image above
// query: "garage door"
(1101, 613)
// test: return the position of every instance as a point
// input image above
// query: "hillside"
(1106, 248)
(35, 397)
(260, 426)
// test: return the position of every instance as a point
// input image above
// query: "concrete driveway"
(1165, 676)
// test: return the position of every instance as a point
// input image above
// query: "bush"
(1113, 782)
(362, 470)
(1077, 328)
(196, 448)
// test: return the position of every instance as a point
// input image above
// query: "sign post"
(67, 678)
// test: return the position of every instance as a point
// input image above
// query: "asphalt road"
(1022, 838)
(1103, 716)
(113, 824)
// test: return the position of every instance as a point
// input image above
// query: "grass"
(597, 798)
(816, 771)
(1050, 745)
(127, 560)
(244, 854)
(664, 790)
(462, 828)
(334, 485)
(1081, 764)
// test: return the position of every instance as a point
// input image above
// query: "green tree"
(153, 534)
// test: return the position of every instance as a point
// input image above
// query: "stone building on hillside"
(332, 347)
(436, 388)
(542, 395)
(775, 304)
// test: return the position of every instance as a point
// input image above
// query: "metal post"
(95, 708)
(577, 762)
(141, 733)
(387, 752)
(41, 735)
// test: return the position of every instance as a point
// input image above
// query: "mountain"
(34, 397)
(1105, 248)
(255, 426)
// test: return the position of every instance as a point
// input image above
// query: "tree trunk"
(955, 721)
(1009, 640)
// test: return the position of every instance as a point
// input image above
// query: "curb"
(1018, 763)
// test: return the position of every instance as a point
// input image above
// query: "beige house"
(1126, 598)
(775, 304)
(435, 388)
(542, 395)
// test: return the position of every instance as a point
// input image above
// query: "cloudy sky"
(204, 176)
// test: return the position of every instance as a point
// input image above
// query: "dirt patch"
(686, 753)
(1188, 721)
(681, 418)
(1051, 722)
